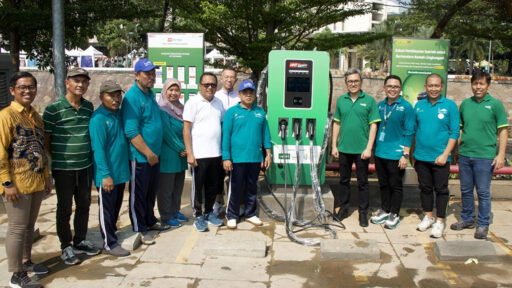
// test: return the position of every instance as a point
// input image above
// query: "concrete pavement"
(182, 257)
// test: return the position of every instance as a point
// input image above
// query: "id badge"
(381, 136)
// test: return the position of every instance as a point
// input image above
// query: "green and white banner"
(414, 59)
(180, 56)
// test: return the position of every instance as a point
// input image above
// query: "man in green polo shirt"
(353, 135)
(66, 123)
(482, 117)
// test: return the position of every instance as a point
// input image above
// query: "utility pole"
(58, 47)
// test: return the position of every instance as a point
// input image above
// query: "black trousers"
(143, 189)
(110, 205)
(71, 184)
(390, 182)
(243, 173)
(342, 200)
(433, 178)
(206, 175)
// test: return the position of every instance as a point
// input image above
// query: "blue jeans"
(475, 172)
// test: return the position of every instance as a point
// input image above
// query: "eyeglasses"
(30, 88)
(393, 87)
(209, 85)
(353, 82)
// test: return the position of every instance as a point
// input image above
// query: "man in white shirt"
(229, 98)
(202, 118)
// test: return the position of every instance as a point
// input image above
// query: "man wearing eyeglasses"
(202, 117)
(353, 134)
(393, 145)
(66, 127)
(229, 98)
(140, 114)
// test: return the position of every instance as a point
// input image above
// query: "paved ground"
(177, 259)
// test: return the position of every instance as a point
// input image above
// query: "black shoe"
(462, 225)
(21, 280)
(159, 227)
(341, 215)
(481, 232)
(86, 247)
(363, 219)
(29, 266)
(69, 257)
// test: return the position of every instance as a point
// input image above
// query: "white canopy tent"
(92, 51)
(216, 55)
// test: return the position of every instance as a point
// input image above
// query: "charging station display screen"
(298, 83)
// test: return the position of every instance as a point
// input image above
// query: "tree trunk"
(438, 32)
(14, 49)
(164, 16)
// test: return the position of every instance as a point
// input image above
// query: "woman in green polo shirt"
(173, 157)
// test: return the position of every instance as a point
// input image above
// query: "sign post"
(414, 59)
(180, 56)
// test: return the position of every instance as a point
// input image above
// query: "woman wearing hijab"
(173, 158)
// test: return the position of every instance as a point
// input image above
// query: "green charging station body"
(298, 94)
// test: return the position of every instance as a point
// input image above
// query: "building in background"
(362, 23)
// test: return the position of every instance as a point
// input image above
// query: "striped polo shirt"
(69, 134)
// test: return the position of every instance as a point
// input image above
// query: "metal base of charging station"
(304, 206)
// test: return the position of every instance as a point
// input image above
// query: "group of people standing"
(425, 136)
(150, 144)
(134, 139)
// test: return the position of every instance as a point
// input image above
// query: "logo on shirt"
(488, 107)
(362, 104)
(400, 108)
(443, 111)
(258, 115)
(418, 109)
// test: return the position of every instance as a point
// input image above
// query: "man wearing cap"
(111, 170)
(66, 124)
(355, 122)
(245, 132)
(143, 127)
(202, 118)
(229, 98)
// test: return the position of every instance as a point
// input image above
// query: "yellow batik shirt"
(22, 156)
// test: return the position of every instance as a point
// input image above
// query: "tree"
(462, 21)
(250, 29)
(29, 27)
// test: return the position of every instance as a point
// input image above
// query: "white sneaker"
(254, 220)
(231, 224)
(437, 229)
(425, 223)
(217, 208)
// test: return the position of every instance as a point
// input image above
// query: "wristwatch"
(7, 183)
(406, 156)
(269, 155)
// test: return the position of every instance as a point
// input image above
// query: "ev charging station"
(297, 114)
(297, 108)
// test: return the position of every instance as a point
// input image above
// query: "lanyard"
(387, 115)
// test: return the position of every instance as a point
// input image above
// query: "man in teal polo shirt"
(394, 140)
(66, 127)
(244, 133)
(437, 131)
(355, 123)
(143, 128)
(111, 170)
(482, 117)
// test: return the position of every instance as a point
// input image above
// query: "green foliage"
(470, 28)
(250, 29)
(26, 25)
